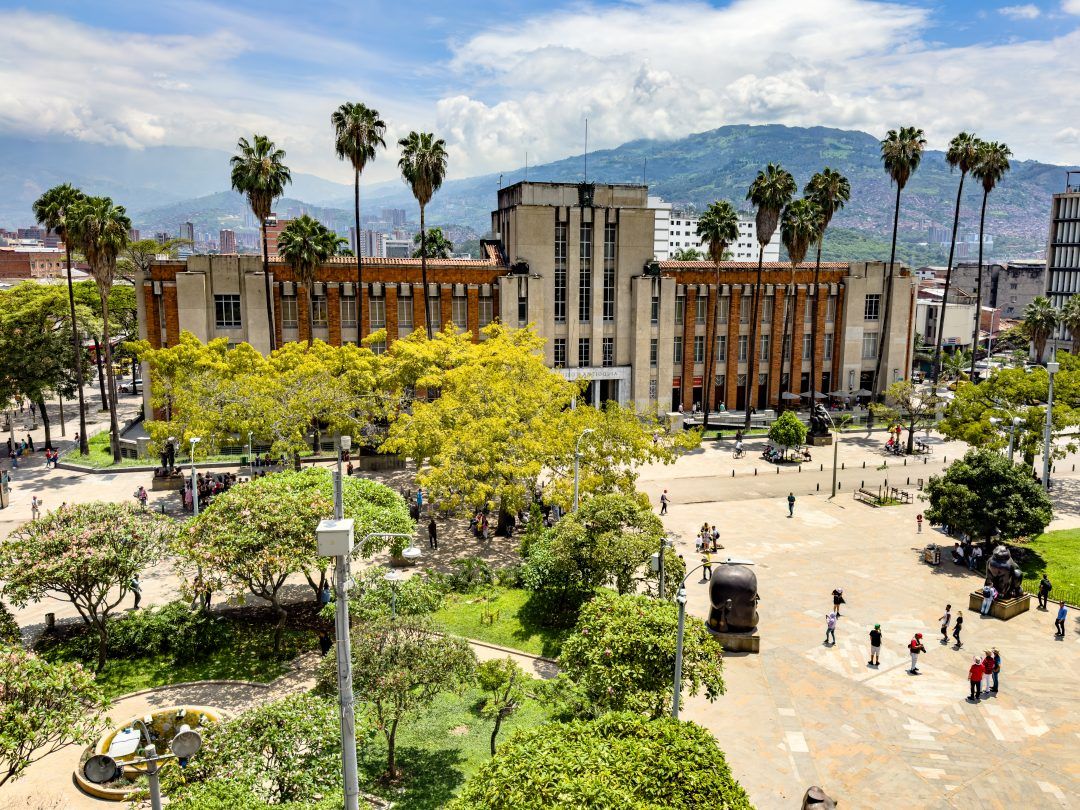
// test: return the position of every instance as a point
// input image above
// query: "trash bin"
(932, 554)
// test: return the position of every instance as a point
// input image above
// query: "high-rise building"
(681, 234)
(1063, 247)
(133, 234)
(162, 237)
(187, 231)
(226, 241)
(274, 227)
(395, 217)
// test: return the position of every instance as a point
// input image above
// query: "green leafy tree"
(9, 628)
(788, 431)
(358, 135)
(963, 153)
(258, 171)
(831, 191)
(423, 167)
(1069, 317)
(373, 595)
(954, 365)
(100, 229)
(719, 227)
(621, 655)
(1040, 321)
(43, 708)
(619, 760)
(687, 255)
(990, 168)
(801, 225)
(770, 192)
(504, 683)
(984, 494)
(435, 244)
(305, 243)
(398, 669)
(901, 154)
(907, 403)
(281, 753)
(51, 209)
(86, 554)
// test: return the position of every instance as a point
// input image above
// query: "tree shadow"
(541, 618)
(429, 780)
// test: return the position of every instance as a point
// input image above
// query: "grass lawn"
(514, 625)
(439, 749)
(1058, 555)
(100, 457)
(248, 656)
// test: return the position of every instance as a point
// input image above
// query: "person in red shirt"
(988, 670)
(975, 676)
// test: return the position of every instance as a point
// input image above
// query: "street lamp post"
(1016, 420)
(680, 598)
(194, 484)
(185, 744)
(577, 461)
(1051, 369)
(250, 434)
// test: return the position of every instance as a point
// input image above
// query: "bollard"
(925, 459)
(862, 485)
(843, 465)
(909, 481)
(905, 462)
(818, 486)
(864, 465)
(945, 460)
(755, 470)
(777, 470)
(800, 468)
(823, 468)
(163, 509)
(839, 486)
(732, 473)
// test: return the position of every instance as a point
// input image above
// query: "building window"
(377, 312)
(869, 345)
(678, 350)
(486, 311)
(830, 309)
(319, 311)
(764, 347)
(584, 352)
(787, 307)
(807, 346)
(746, 304)
(523, 305)
(227, 311)
(702, 307)
(872, 307)
(459, 311)
(721, 347)
(377, 346)
(288, 311)
(560, 272)
(585, 274)
(404, 315)
(609, 271)
(434, 311)
(680, 308)
(744, 341)
(828, 345)
(608, 352)
(767, 308)
(560, 352)
(723, 307)
(654, 309)
(654, 352)
(348, 310)
(787, 347)
(808, 310)
(699, 348)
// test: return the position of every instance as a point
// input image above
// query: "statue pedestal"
(738, 642)
(820, 441)
(1003, 609)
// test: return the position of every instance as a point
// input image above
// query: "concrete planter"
(1003, 609)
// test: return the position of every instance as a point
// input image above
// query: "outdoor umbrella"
(838, 393)
(789, 395)
(862, 392)
(817, 395)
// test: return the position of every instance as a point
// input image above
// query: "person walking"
(946, 620)
(136, 589)
(838, 600)
(988, 669)
(875, 646)
(324, 594)
(830, 627)
(706, 562)
(975, 674)
(957, 628)
(664, 501)
(1044, 591)
(915, 646)
(35, 508)
(918, 522)
(30, 442)
(1059, 622)
(997, 668)
(432, 534)
(989, 593)
(791, 504)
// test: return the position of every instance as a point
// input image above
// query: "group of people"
(20, 449)
(262, 460)
(967, 553)
(207, 485)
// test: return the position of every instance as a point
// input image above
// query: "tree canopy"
(788, 430)
(909, 404)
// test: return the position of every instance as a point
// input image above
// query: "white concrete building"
(677, 230)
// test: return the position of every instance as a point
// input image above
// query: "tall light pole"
(194, 484)
(1051, 369)
(1016, 420)
(250, 434)
(577, 462)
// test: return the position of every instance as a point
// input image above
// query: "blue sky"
(499, 79)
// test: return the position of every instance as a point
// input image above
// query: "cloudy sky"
(498, 79)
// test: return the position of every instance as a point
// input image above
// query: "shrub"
(509, 576)
(469, 574)
(9, 628)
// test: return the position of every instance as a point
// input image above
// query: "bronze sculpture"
(820, 423)
(1004, 574)
(734, 598)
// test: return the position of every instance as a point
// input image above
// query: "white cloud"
(660, 69)
(1027, 11)
(1071, 6)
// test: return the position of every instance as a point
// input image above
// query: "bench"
(866, 496)
(901, 495)
(923, 447)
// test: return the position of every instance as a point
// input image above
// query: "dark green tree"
(305, 243)
(435, 244)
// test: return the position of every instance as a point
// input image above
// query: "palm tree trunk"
(423, 274)
(978, 288)
(114, 428)
(266, 286)
(101, 375)
(310, 312)
(883, 334)
(359, 262)
(935, 369)
(813, 329)
(84, 445)
(751, 355)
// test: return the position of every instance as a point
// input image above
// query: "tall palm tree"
(436, 246)
(52, 210)
(719, 226)
(770, 192)
(306, 243)
(801, 225)
(831, 191)
(1070, 318)
(358, 134)
(989, 169)
(962, 154)
(1040, 321)
(423, 167)
(901, 152)
(260, 174)
(100, 229)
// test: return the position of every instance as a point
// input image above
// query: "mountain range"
(165, 186)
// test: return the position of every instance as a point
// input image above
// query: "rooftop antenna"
(526, 166)
(586, 150)
(500, 179)
(644, 168)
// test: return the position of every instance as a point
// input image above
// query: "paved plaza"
(798, 713)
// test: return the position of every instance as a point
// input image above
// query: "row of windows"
(723, 309)
(744, 343)
(376, 310)
(607, 352)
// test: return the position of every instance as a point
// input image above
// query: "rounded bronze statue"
(1004, 574)
(734, 597)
